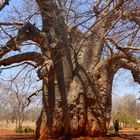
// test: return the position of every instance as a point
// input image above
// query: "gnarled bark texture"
(75, 103)
(76, 99)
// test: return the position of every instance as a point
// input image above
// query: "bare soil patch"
(11, 135)
(127, 134)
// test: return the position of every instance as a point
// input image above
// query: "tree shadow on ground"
(17, 137)
(131, 137)
(123, 137)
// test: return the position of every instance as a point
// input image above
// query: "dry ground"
(11, 126)
(126, 134)
(7, 131)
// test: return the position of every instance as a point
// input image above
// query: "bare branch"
(134, 66)
(26, 32)
(33, 94)
(30, 56)
(11, 24)
(3, 4)
(6, 32)
(132, 16)
(19, 72)
(123, 60)
(123, 48)
(133, 36)
(17, 65)
(136, 76)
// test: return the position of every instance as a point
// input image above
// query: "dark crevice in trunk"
(38, 126)
(58, 67)
(50, 94)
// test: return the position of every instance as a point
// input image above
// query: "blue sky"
(124, 84)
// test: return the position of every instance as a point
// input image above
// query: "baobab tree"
(82, 45)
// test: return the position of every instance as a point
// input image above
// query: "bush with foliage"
(26, 129)
(19, 130)
(127, 119)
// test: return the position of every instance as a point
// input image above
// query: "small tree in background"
(16, 101)
(127, 110)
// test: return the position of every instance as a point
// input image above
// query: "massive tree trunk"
(89, 112)
(74, 103)
(88, 101)
(79, 102)
(86, 110)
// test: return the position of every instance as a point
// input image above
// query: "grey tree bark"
(80, 101)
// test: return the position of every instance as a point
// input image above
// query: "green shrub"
(26, 129)
(19, 130)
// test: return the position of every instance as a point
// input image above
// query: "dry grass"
(12, 126)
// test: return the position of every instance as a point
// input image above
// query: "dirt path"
(130, 134)
(11, 135)
(17, 137)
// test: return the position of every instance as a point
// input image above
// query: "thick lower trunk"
(83, 122)
(80, 125)
(87, 114)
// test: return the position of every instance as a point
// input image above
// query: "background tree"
(138, 111)
(82, 44)
(125, 109)
(16, 101)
